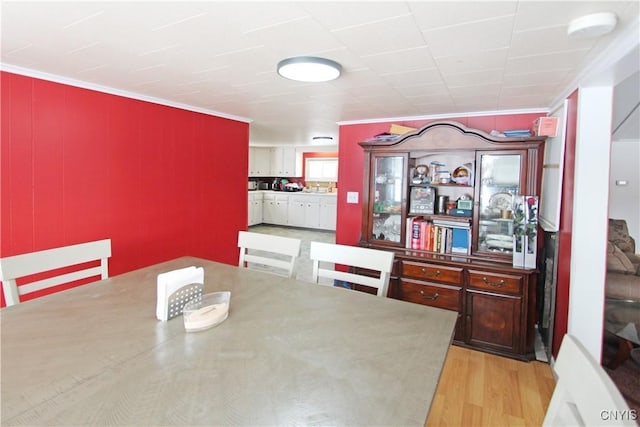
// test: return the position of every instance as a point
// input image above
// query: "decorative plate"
(461, 175)
(422, 170)
(501, 201)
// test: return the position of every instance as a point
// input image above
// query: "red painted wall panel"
(80, 165)
(561, 319)
(351, 161)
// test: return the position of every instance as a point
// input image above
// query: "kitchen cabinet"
(283, 161)
(407, 183)
(295, 212)
(275, 208)
(255, 208)
(312, 213)
(259, 161)
(304, 211)
(308, 210)
(328, 212)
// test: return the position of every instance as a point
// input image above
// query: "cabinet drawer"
(432, 272)
(441, 296)
(495, 282)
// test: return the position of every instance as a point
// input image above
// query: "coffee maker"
(276, 184)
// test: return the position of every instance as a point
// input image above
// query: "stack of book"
(514, 133)
(439, 235)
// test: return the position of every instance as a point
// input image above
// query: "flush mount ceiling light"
(590, 26)
(309, 69)
(318, 140)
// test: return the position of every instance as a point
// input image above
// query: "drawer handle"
(432, 297)
(426, 273)
(494, 284)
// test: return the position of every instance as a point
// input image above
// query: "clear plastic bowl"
(210, 311)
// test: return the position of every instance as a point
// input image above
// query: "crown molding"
(113, 91)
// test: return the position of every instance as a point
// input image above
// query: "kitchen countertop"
(310, 193)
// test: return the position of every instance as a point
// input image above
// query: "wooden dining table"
(290, 353)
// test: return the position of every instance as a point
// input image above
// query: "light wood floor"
(480, 389)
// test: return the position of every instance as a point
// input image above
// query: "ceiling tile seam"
(18, 49)
(148, 67)
(97, 67)
(85, 47)
(548, 53)
(466, 23)
(477, 51)
(276, 24)
(408, 71)
(469, 73)
(81, 20)
(194, 82)
(533, 73)
(374, 22)
(505, 60)
(160, 49)
(233, 52)
(178, 22)
(390, 52)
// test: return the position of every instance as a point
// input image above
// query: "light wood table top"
(290, 353)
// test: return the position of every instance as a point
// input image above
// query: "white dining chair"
(23, 265)
(266, 252)
(584, 395)
(374, 260)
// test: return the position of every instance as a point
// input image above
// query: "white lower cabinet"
(274, 209)
(328, 212)
(299, 210)
(304, 211)
(255, 208)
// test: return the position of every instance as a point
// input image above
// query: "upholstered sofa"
(623, 264)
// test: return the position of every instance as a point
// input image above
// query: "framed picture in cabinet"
(422, 200)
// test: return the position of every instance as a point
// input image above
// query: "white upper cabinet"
(281, 162)
(284, 161)
(259, 161)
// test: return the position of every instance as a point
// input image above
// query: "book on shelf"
(438, 236)
(451, 223)
(461, 240)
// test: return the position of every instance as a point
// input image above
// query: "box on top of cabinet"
(545, 126)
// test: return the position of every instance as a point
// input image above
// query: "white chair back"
(18, 266)
(353, 256)
(584, 395)
(277, 252)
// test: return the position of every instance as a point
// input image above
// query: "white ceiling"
(400, 59)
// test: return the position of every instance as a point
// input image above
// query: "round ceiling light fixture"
(309, 69)
(594, 25)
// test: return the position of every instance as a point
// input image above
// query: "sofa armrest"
(622, 286)
(619, 235)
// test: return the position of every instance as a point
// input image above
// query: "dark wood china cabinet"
(441, 198)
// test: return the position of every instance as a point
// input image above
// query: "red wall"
(561, 319)
(79, 165)
(351, 161)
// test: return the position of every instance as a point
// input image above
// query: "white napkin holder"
(176, 288)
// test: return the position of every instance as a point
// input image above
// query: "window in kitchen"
(321, 169)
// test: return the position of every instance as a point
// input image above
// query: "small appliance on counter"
(292, 186)
(264, 186)
(253, 185)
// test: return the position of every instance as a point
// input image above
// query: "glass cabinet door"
(388, 175)
(500, 180)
